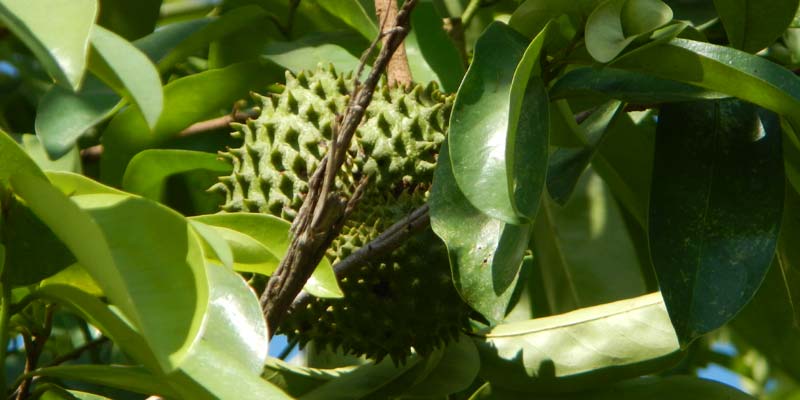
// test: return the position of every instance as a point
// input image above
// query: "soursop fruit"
(402, 301)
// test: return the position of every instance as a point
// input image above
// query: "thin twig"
(77, 352)
(93, 153)
(34, 346)
(384, 244)
(472, 8)
(323, 212)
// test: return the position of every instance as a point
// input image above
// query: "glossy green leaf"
(768, 324)
(615, 24)
(128, 71)
(485, 254)
(567, 241)
(580, 349)
(148, 171)
(273, 234)
(532, 15)
(100, 315)
(70, 161)
(354, 15)
(753, 25)
(628, 86)
(567, 165)
(128, 19)
(454, 372)
(77, 277)
(297, 380)
(499, 127)
(652, 388)
(54, 393)
(308, 52)
(134, 379)
(382, 380)
(141, 254)
(60, 44)
(189, 99)
(432, 56)
(72, 184)
(721, 69)
(63, 115)
(33, 252)
(228, 23)
(215, 247)
(227, 360)
(249, 255)
(715, 209)
(15, 160)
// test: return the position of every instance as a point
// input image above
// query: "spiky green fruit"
(402, 301)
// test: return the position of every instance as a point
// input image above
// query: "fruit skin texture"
(403, 300)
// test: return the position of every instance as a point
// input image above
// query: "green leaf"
(148, 171)
(15, 160)
(615, 24)
(382, 380)
(72, 184)
(61, 44)
(134, 379)
(63, 115)
(189, 99)
(273, 234)
(715, 209)
(310, 51)
(721, 69)
(214, 243)
(33, 252)
(499, 127)
(454, 372)
(574, 351)
(354, 15)
(77, 277)
(141, 254)
(567, 164)
(566, 243)
(130, 20)
(249, 255)
(628, 86)
(532, 15)
(296, 380)
(70, 161)
(235, 336)
(230, 22)
(768, 324)
(57, 393)
(652, 388)
(432, 56)
(100, 315)
(753, 25)
(485, 254)
(128, 71)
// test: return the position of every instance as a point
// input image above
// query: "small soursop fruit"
(404, 300)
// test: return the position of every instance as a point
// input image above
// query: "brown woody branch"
(384, 244)
(398, 70)
(324, 210)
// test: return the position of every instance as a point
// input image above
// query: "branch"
(324, 210)
(77, 352)
(384, 244)
(398, 70)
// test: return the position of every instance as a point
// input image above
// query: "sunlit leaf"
(148, 171)
(134, 379)
(580, 349)
(61, 44)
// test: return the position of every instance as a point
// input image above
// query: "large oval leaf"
(715, 209)
(615, 24)
(148, 171)
(189, 100)
(752, 25)
(721, 69)
(15, 160)
(652, 388)
(61, 44)
(141, 254)
(485, 253)
(499, 126)
(126, 69)
(586, 347)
